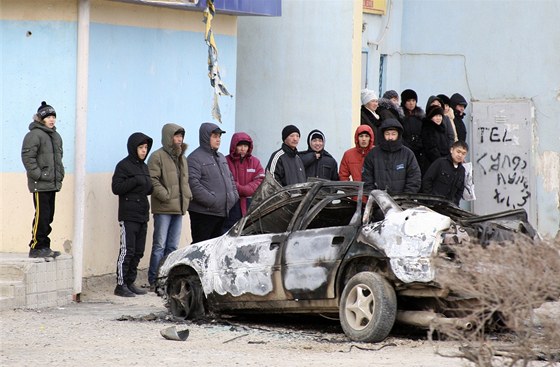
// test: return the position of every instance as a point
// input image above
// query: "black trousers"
(204, 226)
(133, 243)
(44, 215)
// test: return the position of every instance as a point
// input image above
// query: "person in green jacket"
(41, 154)
(170, 199)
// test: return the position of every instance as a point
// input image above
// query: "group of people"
(398, 148)
(415, 151)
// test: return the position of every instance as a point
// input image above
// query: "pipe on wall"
(82, 64)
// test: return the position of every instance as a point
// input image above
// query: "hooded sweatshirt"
(390, 165)
(210, 179)
(41, 154)
(131, 182)
(248, 172)
(170, 174)
(353, 159)
(455, 100)
(323, 166)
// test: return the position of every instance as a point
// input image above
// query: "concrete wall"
(486, 51)
(147, 67)
(302, 68)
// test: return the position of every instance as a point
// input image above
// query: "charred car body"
(322, 247)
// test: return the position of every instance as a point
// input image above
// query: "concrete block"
(7, 303)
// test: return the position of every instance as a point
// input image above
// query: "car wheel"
(186, 297)
(368, 307)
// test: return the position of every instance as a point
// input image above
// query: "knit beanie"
(45, 111)
(408, 94)
(390, 94)
(367, 96)
(434, 110)
(286, 131)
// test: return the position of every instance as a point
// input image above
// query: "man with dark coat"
(41, 154)
(317, 161)
(131, 182)
(412, 123)
(446, 176)
(458, 103)
(285, 163)
(390, 165)
(211, 183)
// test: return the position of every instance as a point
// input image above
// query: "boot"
(134, 289)
(123, 291)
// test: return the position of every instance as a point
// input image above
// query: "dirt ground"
(108, 330)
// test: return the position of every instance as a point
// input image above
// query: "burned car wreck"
(323, 247)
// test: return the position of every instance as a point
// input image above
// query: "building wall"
(147, 67)
(302, 68)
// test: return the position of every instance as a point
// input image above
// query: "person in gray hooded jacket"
(212, 185)
(41, 154)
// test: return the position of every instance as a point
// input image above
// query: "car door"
(250, 271)
(313, 253)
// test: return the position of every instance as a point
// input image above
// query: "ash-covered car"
(322, 247)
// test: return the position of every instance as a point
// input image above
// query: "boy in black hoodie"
(132, 183)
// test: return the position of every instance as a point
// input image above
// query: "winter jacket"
(170, 175)
(386, 109)
(41, 154)
(449, 130)
(286, 166)
(434, 143)
(369, 119)
(412, 130)
(391, 166)
(458, 121)
(323, 167)
(210, 179)
(444, 179)
(353, 159)
(131, 182)
(247, 171)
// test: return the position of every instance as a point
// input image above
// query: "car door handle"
(338, 240)
(274, 245)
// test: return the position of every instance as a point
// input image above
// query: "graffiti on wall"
(501, 140)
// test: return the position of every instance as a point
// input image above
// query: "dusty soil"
(107, 330)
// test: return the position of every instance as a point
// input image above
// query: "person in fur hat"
(41, 154)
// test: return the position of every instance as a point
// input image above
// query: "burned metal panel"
(311, 260)
(409, 239)
(502, 141)
(234, 265)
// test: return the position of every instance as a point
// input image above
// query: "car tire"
(186, 297)
(368, 308)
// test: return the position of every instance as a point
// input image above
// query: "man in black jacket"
(446, 176)
(285, 163)
(132, 183)
(317, 161)
(458, 104)
(390, 165)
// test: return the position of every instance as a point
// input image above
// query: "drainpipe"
(80, 144)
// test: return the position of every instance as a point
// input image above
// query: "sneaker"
(123, 291)
(134, 289)
(43, 253)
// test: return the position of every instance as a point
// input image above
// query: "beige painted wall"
(101, 243)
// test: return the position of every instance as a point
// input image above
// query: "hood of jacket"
(134, 141)
(431, 99)
(316, 131)
(235, 139)
(364, 129)
(37, 123)
(167, 132)
(204, 133)
(457, 99)
(390, 145)
(385, 103)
